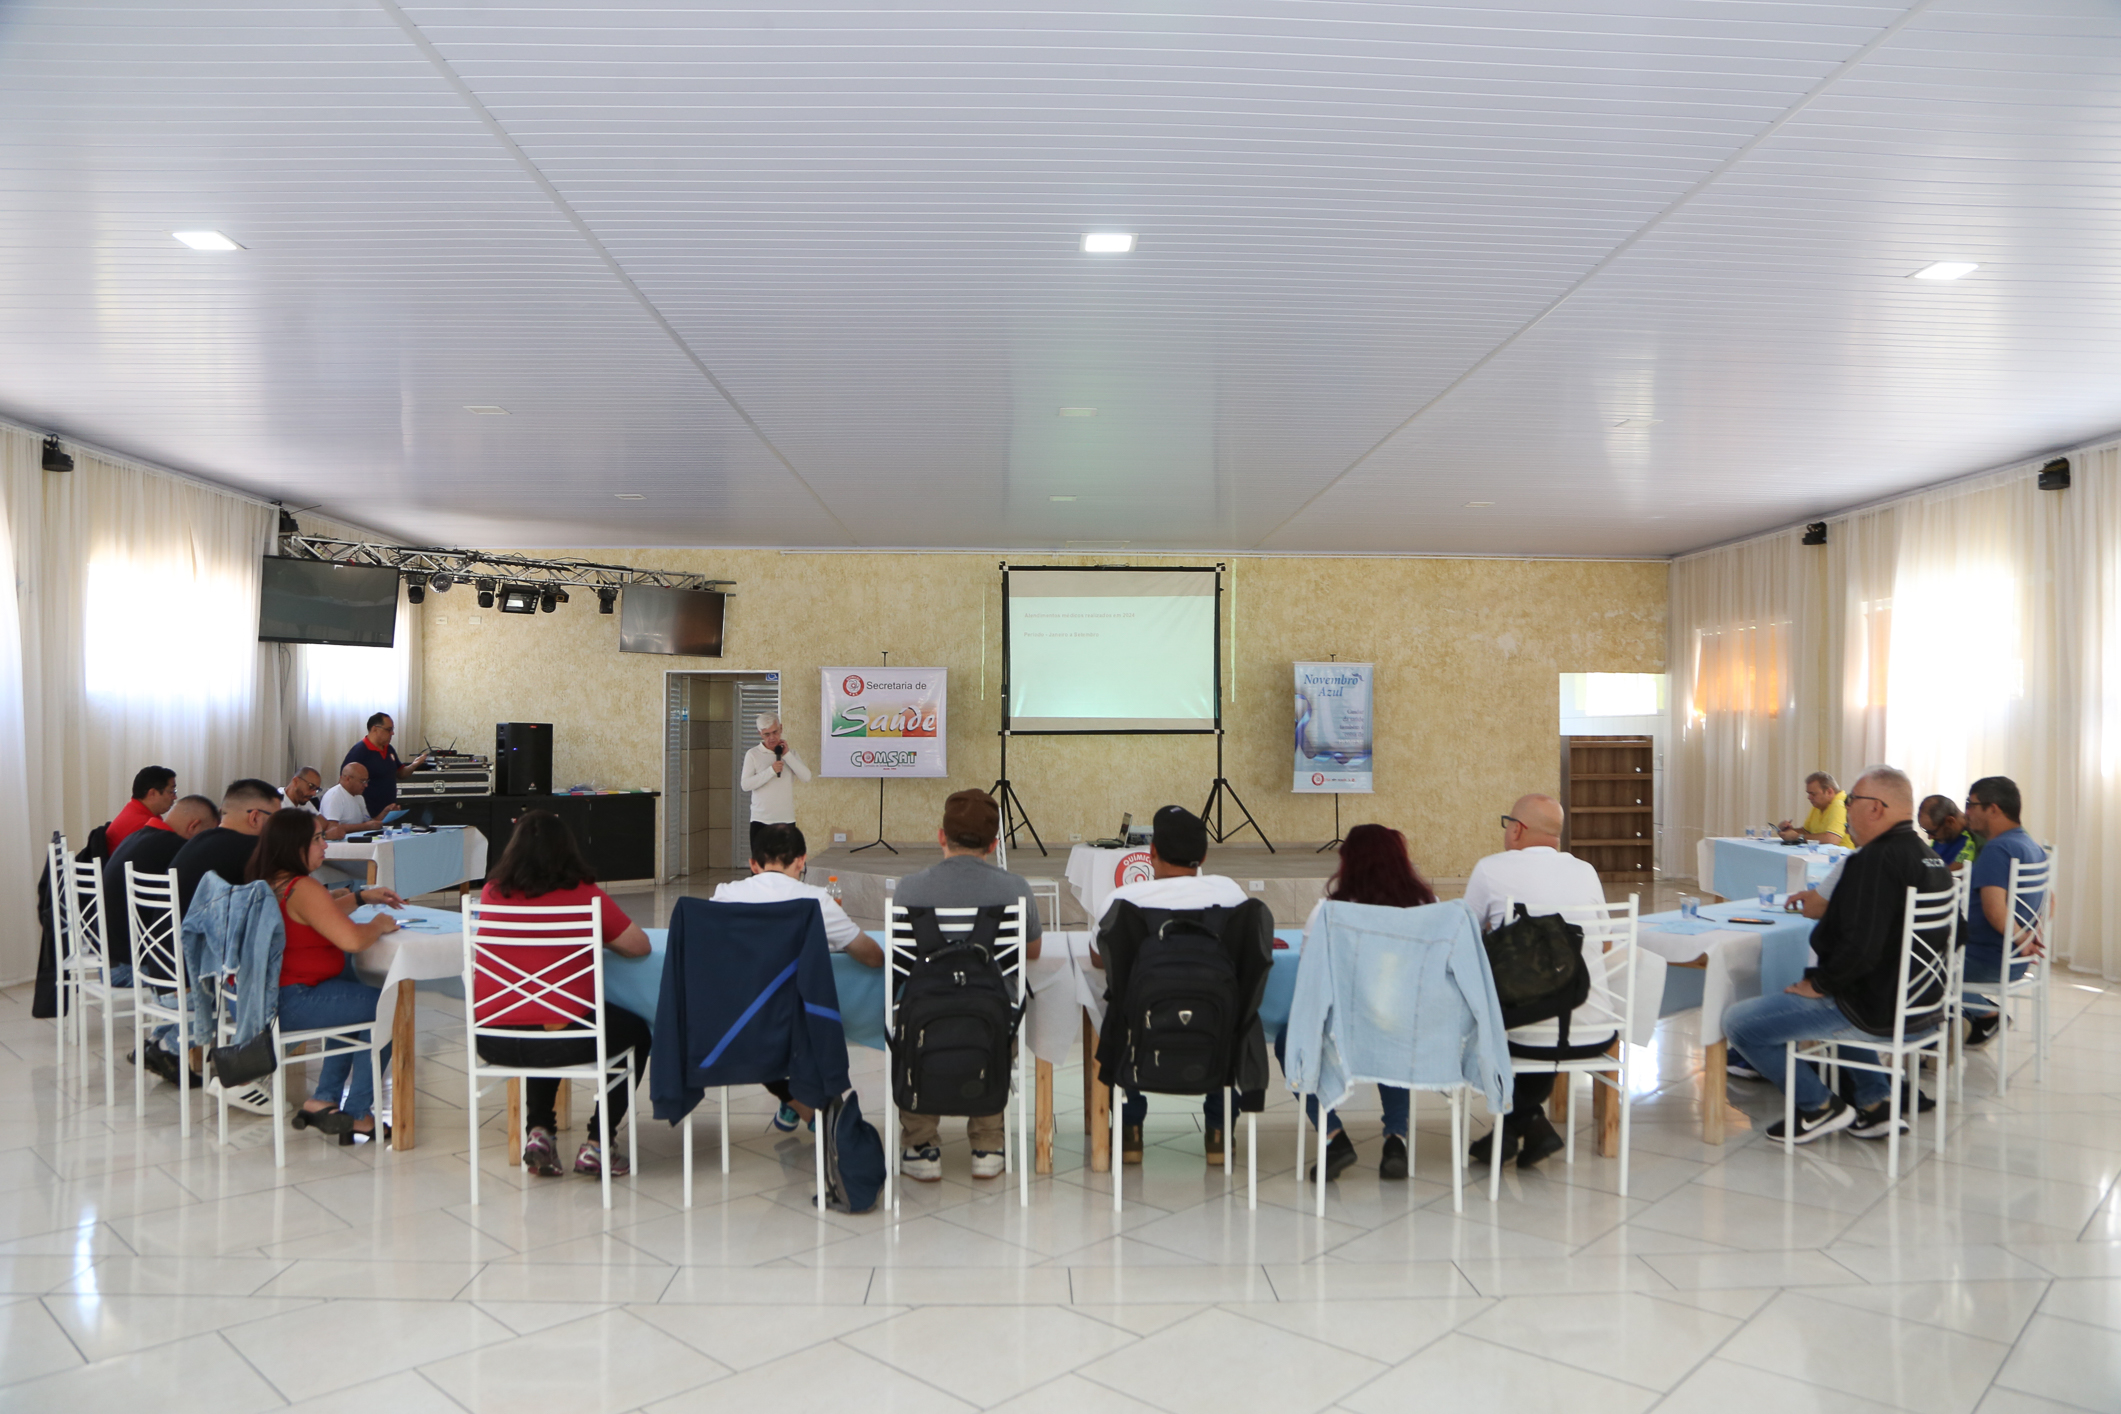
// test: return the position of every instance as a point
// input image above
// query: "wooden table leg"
(1042, 1121)
(562, 1109)
(1558, 1101)
(1605, 1110)
(404, 1048)
(512, 1149)
(1715, 1086)
(1100, 1107)
(1089, 1071)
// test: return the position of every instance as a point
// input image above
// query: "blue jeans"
(1986, 967)
(342, 999)
(164, 1037)
(1757, 1028)
(1398, 1104)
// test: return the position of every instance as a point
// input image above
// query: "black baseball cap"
(1181, 839)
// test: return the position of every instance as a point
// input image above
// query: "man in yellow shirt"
(1828, 822)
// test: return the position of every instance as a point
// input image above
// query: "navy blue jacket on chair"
(747, 998)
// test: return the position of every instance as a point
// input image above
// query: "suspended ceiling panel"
(1635, 274)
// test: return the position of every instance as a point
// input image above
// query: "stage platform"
(1291, 877)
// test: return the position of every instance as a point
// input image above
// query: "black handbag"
(239, 1065)
(1540, 975)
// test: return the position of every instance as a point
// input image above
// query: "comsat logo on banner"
(884, 760)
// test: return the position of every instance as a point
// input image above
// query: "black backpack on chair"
(1181, 1011)
(1539, 969)
(953, 1045)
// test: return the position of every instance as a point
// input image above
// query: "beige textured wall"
(1467, 654)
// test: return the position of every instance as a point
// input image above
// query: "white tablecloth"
(1735, 867)
(1094, 873)
(417, 864)
(1733, 955)
(429, 945)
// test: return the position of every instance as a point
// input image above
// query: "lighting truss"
(467, 565)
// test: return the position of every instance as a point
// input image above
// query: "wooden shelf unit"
(1608, 786)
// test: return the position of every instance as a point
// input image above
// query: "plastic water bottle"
(832, 888)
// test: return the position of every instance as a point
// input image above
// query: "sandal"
(352, 1136)
(329, 1120)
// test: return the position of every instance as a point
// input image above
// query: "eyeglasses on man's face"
(1509, 820)
(1871, 798)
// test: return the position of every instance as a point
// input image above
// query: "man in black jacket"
(1852, 993)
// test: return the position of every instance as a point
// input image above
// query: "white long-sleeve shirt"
(772, 796)
(772, 886)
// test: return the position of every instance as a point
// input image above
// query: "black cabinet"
(617, 832)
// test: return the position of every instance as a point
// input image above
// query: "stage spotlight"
(416, 589)
(519, 599)
(440, 583)
(485, 593)
(548, 601)
(606, 597)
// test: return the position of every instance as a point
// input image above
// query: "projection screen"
(1111, 650)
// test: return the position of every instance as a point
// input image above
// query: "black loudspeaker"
(2055, 475)
(522, 758)
(1815, 533)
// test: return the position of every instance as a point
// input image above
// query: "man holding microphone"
(766, 775)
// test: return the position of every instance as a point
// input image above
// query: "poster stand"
(879, 840)
(1338, 840)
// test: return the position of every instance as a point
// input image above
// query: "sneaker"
(787, 1119)
(1394, 1163)
(1212, 1147)
(989, 1164)
(1339, 1158)
(1838, 1114)
(1130, 1144)
(589, 1160)
(1737, 1069)
(922, 1165)
(1876, 1122)
(1480, 1148)
(1539, 1141)
(1980, 1030)
(541, 1157)
(251, 1099)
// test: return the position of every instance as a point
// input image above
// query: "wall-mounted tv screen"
(315, 601)
(682, 621)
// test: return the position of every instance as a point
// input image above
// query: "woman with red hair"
(1375, 868)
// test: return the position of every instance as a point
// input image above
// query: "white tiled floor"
(140, 1270)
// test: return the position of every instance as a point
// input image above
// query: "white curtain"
(131, 607)
(19, 850)
(1744, 664)
(1968, 631)
(332, 692)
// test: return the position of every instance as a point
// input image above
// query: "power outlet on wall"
(1259, 886)
(839, 837)
(1076, 837)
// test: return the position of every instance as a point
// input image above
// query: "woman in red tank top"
(318, 986)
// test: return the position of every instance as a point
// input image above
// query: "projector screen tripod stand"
(1014, 816)
(1216, 792)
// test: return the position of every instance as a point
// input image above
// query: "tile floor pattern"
(138, 1270)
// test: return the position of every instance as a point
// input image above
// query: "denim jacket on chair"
(236, 931)
(1395, 996)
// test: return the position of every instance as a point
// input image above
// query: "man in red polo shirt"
(375, 752)
(154, 792)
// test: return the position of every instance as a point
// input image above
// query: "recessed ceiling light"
(1108, 242)
(628, 496)
(1479, 503)
(1078, 412)
(486, 409)
(1060, 498)
(1945, 270)
(206, 240)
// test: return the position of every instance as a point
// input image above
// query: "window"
(168, 634)
(1741, 671)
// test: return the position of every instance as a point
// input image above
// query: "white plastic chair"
(547, 983)
(1614, 926)
(2026, 928)
(900, 951)
(158, 968)
(83, 971)
(1923, 968)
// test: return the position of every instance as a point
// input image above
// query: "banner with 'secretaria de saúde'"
(883, 721)
(1333, 737)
